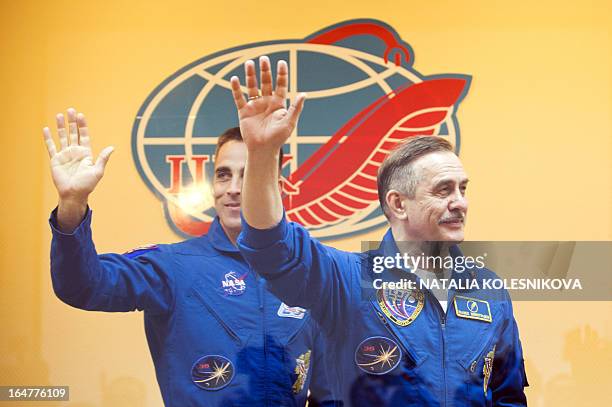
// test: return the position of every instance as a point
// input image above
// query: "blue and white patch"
(378, 355)
(140, 250)
(233, 284)
(472, 308)
(212, 372)
(286, 311)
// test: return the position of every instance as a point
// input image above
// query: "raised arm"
(265, 124)
(300, 270)
(74, 172)
(81, 278)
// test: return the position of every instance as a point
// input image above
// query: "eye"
(444, 191)
(223, 175)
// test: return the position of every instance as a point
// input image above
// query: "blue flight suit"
(216, 335)
(383, 355)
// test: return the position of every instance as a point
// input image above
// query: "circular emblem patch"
(212, 372)
(378, 355)
(401, 306)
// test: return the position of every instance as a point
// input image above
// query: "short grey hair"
(397, 171)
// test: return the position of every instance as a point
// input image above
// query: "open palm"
(265, 122)
(74, 172)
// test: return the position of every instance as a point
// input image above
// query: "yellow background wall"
(536, 140)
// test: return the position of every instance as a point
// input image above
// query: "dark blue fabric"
(189, 314)
(443, 355)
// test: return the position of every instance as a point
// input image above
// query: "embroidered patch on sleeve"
(140, 250)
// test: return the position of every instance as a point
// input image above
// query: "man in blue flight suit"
(390, 345)
(216, 335)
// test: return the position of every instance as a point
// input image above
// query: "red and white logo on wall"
(364, 96)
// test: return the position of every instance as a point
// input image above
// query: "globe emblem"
(176, 130)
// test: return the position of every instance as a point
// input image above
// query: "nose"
(458, 202)
(235, 186)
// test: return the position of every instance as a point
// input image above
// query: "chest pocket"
(287, 324)
(292, 333)
(473, 336)
(477, 356)
(233, 317)
(299, 348)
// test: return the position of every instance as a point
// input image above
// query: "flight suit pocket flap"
(485, 334)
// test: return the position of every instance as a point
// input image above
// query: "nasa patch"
(378, 355)
(233, 284)
(212, 372)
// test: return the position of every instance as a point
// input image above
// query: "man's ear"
(395, 205)
(280, 185)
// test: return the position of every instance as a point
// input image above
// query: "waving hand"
(73, 169)
(265, 122)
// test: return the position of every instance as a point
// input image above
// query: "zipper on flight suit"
(262, 308)
(443, 326)
(442, 318)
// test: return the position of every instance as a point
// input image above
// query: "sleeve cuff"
(262, 238)
(85, 223)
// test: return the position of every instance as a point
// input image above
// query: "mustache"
(453, 218)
